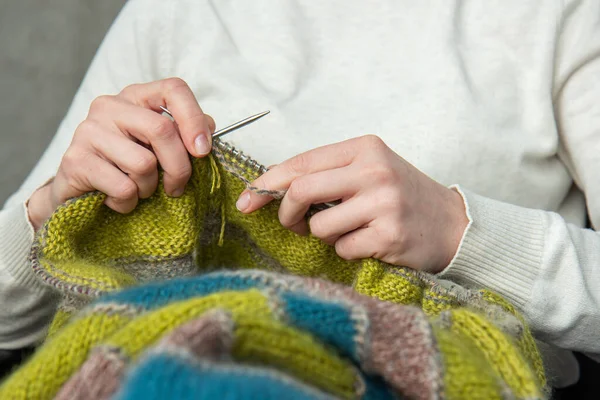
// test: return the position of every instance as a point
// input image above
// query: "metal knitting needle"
(232, 127)
(244, 122)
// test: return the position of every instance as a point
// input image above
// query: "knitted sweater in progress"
(498, 97)
(281, 315)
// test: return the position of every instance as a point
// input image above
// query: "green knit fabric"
(86, 250)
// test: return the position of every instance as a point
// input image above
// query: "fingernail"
(202, 145)
(177, 192)
(243, 202)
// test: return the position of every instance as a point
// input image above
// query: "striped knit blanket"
(152, 308)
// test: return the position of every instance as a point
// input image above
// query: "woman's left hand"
(390, 210)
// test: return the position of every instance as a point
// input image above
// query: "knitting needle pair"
(244, 122)
(230, 128)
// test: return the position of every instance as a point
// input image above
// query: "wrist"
(39, 206)
(457, 226)
(502, 247)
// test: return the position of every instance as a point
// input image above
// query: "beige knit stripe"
(396, 341)
(208, 337)
(49, 279)
(98, 378)
(399, 343)
(148, 271)
(404, 351)
(177, 265)
(71, 303)
(86, 286)
(111, 309)
(458, 295)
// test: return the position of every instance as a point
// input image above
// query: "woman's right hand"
(118, 147)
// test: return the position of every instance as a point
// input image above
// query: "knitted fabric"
(381, 331)
(204, 336)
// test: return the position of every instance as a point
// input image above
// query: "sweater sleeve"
(131, 52)
(547, 267)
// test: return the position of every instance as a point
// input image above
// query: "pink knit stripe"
(207, 337)
(98, 378)
(399, 344)
(403, 350)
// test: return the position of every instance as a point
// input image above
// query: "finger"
(212, 126)
(177, 96)
(358, 244)
(332, 156)
(95, 173)
(319, 187)
(330, 224)
(139, 163)
(120, 190)
(161, 134)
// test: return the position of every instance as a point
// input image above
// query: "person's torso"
(461, 89)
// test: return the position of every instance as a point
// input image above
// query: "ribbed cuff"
(501, 248)
(16, 238)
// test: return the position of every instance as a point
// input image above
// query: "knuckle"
(125, 190)
(285, 219)
(100, 103)
(318, 228)
(373, 141)
(71, 160)
(87, 127)
(298, 164)
(211, 122)
(182, 173)
(164, 129)
(130, 89)
(145, 164)
(298, 190)
(174, 84)
(341, 248)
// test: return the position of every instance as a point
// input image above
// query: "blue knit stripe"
(303, 311)
(165, 376)
(158, 294)
(329, 322)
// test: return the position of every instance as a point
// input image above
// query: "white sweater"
(499, 97)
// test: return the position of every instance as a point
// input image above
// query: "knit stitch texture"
(293, 320)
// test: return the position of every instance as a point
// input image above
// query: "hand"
(389, 210)
(117, 148)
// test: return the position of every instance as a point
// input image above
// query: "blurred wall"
(45, 49)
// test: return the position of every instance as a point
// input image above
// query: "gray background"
(45, 49)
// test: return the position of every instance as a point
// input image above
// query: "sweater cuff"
(16, 239)
(501, 248)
